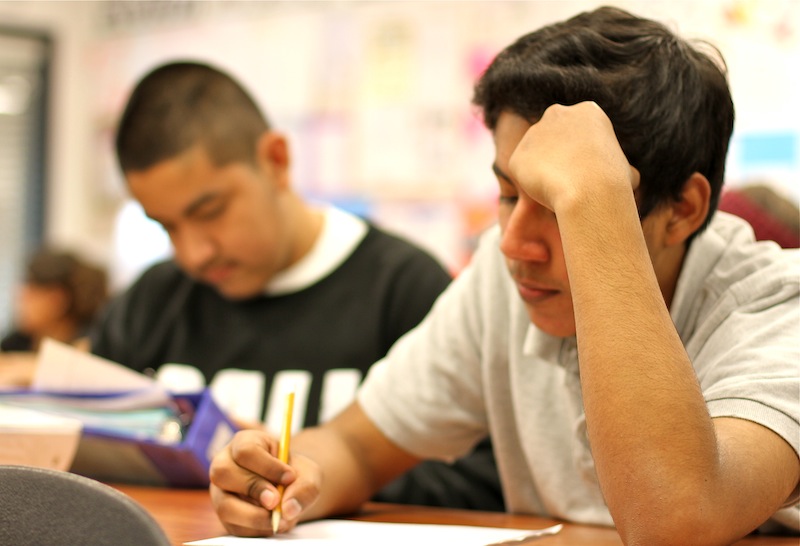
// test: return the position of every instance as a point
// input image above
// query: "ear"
(272, 154)
(690, 211)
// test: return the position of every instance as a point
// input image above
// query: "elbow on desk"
(687, 525)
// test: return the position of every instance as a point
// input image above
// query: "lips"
(217, 274)
(533, 292)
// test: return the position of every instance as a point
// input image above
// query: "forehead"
(168, 187)
(508, 132)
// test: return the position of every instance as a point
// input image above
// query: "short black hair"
(668, 99)
(181, 104)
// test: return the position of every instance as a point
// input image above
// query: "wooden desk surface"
(187, 514)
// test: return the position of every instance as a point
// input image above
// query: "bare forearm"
(651, 435)
(355, 460)
(344, 485)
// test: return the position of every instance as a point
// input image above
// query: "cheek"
(252, 234)
(40, 307)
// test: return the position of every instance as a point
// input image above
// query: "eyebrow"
(199, 202)
(193, 206)
(501, 174)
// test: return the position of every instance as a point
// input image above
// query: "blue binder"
(180, 461)
(125, 440)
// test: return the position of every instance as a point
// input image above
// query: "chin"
(238, 293)
(556, 327)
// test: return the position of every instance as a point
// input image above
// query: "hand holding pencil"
(256, 484)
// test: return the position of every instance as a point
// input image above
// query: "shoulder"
(736, 301)
(16, 341)
(161, 272)
(727, 261)
(161, 276)
(393, 251)
(402, 279)
(157, 285)
(377, 237)
(151, 304)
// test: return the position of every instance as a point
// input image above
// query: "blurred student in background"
(265, 289)
(772, 216)
(59, 297)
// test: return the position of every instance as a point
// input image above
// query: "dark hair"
(669, 101)
(86, 285)
(182, 104)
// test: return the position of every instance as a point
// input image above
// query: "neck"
(307, 222)
(670, 271)
(64, 331)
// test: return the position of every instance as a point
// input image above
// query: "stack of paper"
(101, 394)
(133, 429)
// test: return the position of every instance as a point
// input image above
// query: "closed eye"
(508, 191)
(210, 212)
(508, 199)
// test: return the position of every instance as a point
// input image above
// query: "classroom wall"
(375, 98)
(67, 153)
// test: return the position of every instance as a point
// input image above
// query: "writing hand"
(244, 478)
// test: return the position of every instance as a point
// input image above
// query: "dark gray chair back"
(42, 507)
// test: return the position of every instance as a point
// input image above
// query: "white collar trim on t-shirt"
(341, 233)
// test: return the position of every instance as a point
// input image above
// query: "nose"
(193, 248)
(525, 232)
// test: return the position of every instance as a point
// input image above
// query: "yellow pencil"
(283, 455)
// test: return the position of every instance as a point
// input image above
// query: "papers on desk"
(133, 429)
(62, 368)
(101, 394)
(369, 533)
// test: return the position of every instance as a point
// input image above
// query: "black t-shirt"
(349, 319)
(16, 341)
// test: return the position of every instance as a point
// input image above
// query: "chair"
(772, 216)
(44, 507)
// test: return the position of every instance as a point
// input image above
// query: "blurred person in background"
(59, 297)
(266, 290)
(772, 216)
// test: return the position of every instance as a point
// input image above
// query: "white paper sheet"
(368, 533)
(63, 368)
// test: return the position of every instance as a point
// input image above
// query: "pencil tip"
(276, 519)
